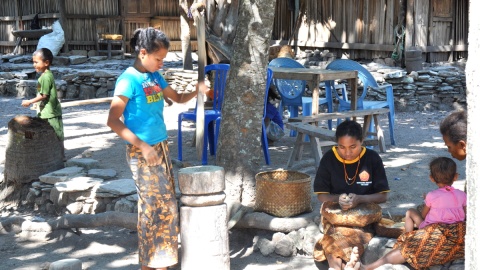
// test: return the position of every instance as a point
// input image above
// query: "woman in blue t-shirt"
(139, 97)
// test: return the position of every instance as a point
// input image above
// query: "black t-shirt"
(370, 179)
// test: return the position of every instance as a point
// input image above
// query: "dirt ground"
(418, 140)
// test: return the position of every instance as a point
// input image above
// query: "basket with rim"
(283, 193)
(360, 216)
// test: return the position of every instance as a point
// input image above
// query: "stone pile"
(82, 188)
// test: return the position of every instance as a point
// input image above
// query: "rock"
(104, 174)
(118, 187)
(265, 246)
(66, 264)
(77, 184)
(75, 208)
(86, 163)
(62, 175)
(285, 247)
(124, 205)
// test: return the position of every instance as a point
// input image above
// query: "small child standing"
(48, 106)
(444, 205)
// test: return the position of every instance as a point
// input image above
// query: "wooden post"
(409, 30)
(63, 23)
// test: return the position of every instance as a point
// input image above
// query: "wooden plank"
(335, 115)
(42, 16)
(421, 23)
(348, 46)
(86, 102)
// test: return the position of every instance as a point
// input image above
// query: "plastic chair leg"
(266, 152)
(211, 138)
(391, 123)
(179, 138)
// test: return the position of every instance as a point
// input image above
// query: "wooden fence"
(360, 29)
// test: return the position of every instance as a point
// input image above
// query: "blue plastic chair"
(266, 153)
(368, 81)
(292, 91)
(209, 138)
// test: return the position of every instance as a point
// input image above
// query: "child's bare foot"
(354, 263)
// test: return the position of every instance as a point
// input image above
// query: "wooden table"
(314, 76)
(320, 137)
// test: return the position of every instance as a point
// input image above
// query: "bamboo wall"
(360, 29)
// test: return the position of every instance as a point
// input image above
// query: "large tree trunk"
(185, 36)
(472, 244)
(239, 148)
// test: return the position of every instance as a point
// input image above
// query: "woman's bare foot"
(354, 262)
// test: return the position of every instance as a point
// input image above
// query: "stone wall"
(436, 87)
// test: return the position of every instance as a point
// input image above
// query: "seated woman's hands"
(348, 201)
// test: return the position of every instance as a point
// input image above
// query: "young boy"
(48, 105)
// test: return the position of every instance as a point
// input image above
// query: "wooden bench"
(320, 137)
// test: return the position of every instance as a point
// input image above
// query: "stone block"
(78, 59)
(87, 91)
(204, 234)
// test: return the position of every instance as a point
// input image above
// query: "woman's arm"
(116, 110)
(182, 98)
(327, 197)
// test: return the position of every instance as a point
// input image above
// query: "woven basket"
(283, 193)
(389, 228)
(360, 216)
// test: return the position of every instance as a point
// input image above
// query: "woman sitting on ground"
(349, 174)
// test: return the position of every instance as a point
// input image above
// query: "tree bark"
(185, 36)
(239, 148)
(472, 239)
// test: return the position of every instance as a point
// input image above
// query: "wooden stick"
(86, 102)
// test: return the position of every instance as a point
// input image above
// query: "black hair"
(349, 128)
(454, 126)
(443, 170)
(150, 39)
(45, 54)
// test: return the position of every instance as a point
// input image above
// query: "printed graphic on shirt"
(153, 92)
(364, 177)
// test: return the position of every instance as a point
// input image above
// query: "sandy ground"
(418, 140)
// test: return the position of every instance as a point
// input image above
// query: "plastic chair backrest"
(364, 75)
(290, 90)
(268, 82)
(219, 82)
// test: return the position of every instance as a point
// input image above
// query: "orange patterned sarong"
(157, 208)
(435, 244)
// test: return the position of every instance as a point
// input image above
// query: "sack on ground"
(274, 131)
